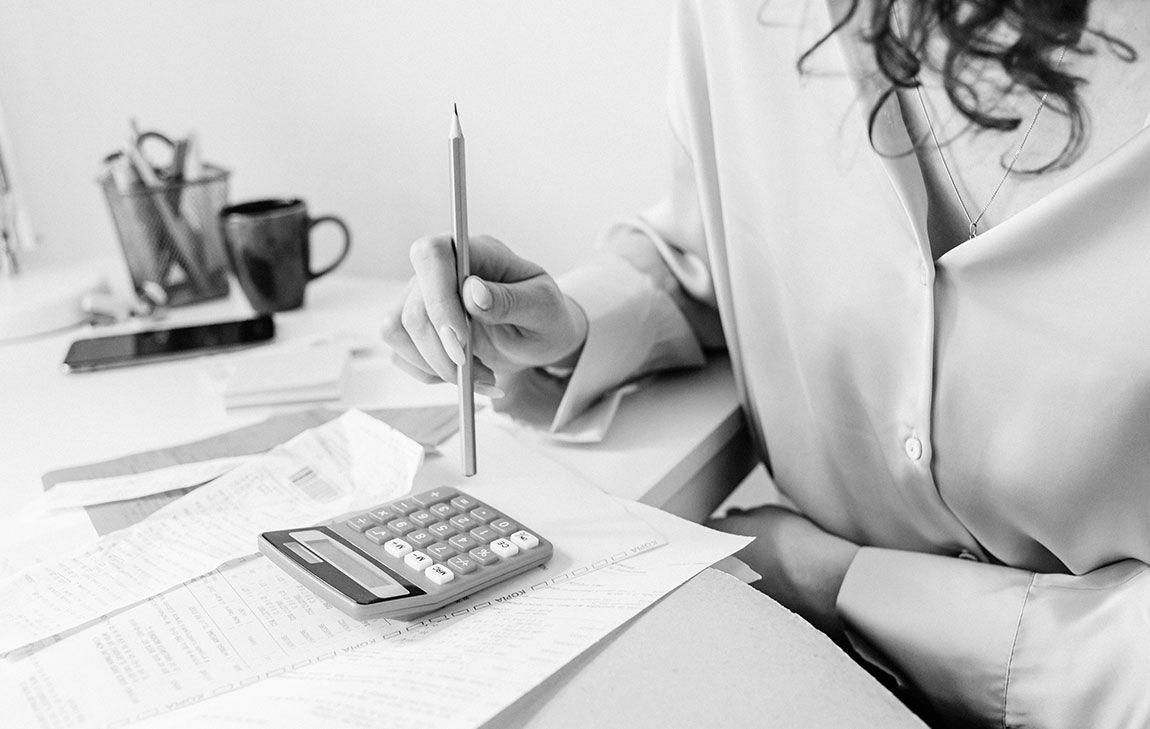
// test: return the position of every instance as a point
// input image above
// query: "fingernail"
(452, 345)
(481, 295)
(491, 391)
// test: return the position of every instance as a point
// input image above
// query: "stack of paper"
(243, 644)
(296, 375)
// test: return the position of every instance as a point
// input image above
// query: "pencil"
(465, 376)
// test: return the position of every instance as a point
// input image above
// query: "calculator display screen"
(372, 578)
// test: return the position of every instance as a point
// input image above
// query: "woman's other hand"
(519, 317)
(802, 565)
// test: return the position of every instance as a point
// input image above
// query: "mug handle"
(313, 275)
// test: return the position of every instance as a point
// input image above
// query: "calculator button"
(383, 514)
(443, 530)
(463, 522)
(484, 534)
(463, 503)
(397, 548)
(462, 565)
(422, 517)
(439, 574)
(422, 538)
(417, 561)
(403, 507)
(361, 522)
(524, 540)
(484, 556)
(443, 511)
(378, 534)
(427, 498)
(504, 548)
(504, 527)
(484, 514)
(463, 542)
(399, 527)
(440, 551)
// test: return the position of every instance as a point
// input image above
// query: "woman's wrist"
(803, 566)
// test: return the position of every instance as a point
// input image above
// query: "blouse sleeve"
(1004, 647)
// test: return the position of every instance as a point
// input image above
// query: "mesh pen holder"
(171, 235)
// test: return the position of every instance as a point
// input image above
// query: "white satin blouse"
(993, 404)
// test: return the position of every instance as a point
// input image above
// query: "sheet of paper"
(466, 673)
(74, 494)
(30, 537)
(250, 620)
(352, 462)
(428, 426)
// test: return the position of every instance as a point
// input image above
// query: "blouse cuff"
(633, 328)
(946, 624)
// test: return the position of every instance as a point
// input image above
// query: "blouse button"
(968, 556)
(913, 448)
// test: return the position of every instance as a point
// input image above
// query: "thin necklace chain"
(1009, 168)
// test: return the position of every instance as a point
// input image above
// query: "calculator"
(409, 556)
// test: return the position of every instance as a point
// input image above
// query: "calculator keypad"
(441, 536)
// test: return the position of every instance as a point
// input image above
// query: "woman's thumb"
(488, 302)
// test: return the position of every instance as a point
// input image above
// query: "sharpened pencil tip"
(455, 108)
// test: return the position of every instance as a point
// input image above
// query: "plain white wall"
(347, 104)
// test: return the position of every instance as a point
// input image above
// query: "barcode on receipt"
(311, 484)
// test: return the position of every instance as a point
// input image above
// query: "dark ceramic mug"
(269, 245)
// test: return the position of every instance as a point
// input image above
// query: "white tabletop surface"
(49, 419)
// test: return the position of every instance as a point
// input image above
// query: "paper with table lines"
(350, 463)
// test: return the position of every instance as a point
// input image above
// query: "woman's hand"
(519, 317)
(802, 566)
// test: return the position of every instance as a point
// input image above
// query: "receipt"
(352, 462)
(249, 621)
(74, 494)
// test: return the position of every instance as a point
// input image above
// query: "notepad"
(311, 374)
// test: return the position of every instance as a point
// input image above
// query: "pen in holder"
(169, 230)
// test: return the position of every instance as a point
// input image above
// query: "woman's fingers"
(419, 374)
(518, 316)
(402, 327)
(433, 259)
(532, 303)
(398, 334)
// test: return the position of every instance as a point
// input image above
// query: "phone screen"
(122, 350)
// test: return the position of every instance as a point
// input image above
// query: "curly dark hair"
(1015, 44)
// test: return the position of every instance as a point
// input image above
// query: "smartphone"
(123, 350)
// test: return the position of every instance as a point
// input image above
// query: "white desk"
(678, 444)
(51, 420)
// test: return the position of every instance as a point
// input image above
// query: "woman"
(962, 423)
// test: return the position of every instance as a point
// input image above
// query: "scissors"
(169, 166)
